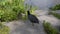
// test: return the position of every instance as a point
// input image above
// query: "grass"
(4, 29)
(49, 29)
(56, 7)
(12, 9)
(55, 14)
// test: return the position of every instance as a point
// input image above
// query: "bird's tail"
(38, 23)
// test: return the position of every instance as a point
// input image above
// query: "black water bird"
(32, 18)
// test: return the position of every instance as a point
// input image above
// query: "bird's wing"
(33, 18)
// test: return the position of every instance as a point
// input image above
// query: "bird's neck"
(28, 13)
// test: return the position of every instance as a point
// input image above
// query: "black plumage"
(32, 18)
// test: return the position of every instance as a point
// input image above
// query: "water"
(43, 4)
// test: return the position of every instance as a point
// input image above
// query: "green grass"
(49, 29)
(4, 29)
(55, 14)
(11, 9)
(56, 7)
(7, 15)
